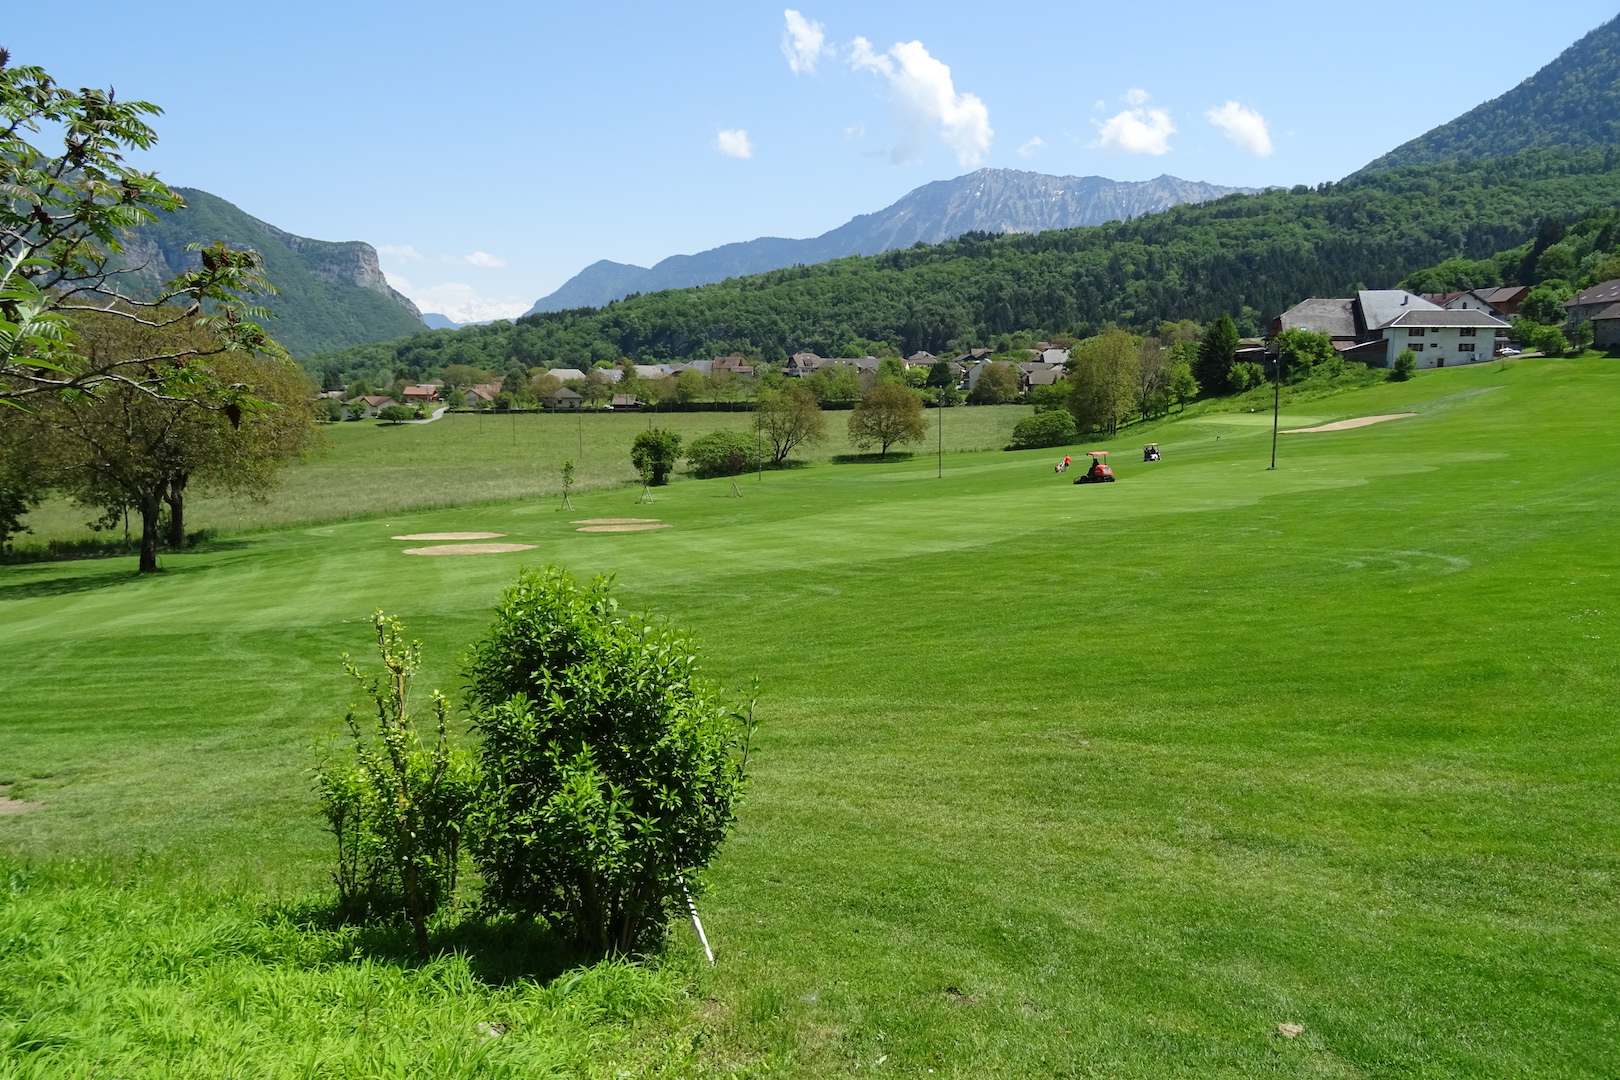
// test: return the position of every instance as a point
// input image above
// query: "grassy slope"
(370, 467)
(1056, 781)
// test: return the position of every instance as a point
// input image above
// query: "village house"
(920, 359)
(1502, 302)
(1378, 324)
(801, 364)
(1601, 305)
(737, 365)
(566, 374)
(366, 406)
(483, 394)
(420, 395)
(651, 371)
(562, 398)
(624, 401)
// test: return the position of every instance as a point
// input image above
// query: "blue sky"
(492, 149)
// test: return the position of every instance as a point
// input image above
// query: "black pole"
(940, 467)
(1276, 406)
(759, 446)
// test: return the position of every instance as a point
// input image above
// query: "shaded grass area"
(370, 467)
(1053, 781)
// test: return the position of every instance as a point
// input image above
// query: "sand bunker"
(1346, 425)
(447, 536)
(612, 521)
(8, 805)
(468, 549)
(622, 528)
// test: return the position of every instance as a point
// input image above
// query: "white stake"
(697, 924)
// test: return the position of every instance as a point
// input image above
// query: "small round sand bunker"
(447, 536)
(613, 521)
(623, 528)
(468, 549)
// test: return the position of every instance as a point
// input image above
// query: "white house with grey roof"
(1378, 324)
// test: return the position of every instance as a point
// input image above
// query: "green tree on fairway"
(1405, 365)
(611, 771)
(788, 418)
(1303, 353)
(888, 414)
(1103, 381)
(997, 383)
(654, 454)
(396, 414)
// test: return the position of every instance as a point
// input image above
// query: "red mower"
(1099, 473)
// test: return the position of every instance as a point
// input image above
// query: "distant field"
(370, 467)
(1054, 781)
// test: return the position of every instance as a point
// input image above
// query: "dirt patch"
(622, 528)
(1346, 425)
(612, 521)
(468, 549)
(447, 536)
(8, 805)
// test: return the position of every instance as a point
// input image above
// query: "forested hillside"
(1250, 255)
(332, 294)
(1573, 102)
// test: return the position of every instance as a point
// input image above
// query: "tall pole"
(939, 473)
(1276, 407)
(759, 445)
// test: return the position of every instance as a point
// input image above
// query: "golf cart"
(1150, 452)
(1099, 473)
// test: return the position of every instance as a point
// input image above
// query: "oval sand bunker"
(622, 528)
(1346, 425)
(447, 536)
(468, 549)
(612, 521)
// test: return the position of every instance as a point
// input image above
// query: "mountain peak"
(985, 200)
(1572, 102)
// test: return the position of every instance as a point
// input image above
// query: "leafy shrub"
(395, 805)
(1549, 341)
(395, 414)
(1052, 428)
(722, 453)
(1405, 364)
(610, 770)
(1244, 375)
(654, 454)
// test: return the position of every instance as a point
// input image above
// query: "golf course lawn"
(1054, 780)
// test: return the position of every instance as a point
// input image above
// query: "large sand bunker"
(8, 805)
(613, 521)
(447, 536)
(622, 528)
(1346, 425)
(468, 549)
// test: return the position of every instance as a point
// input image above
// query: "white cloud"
(460, 303)
(1136, 131)
(483, 258)
(400, 251)
(734, 143)
(1031, 148)
(1243, 126)
(803, 42)
(407, 253)
(927, 100)
(1136, 98)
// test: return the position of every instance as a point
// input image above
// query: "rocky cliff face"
(332, 293)
(990, 200)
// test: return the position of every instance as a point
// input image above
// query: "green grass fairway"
(369, 467)
(1055, 781)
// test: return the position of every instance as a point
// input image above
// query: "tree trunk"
(176, 498)
(150, 504)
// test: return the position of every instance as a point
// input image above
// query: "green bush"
(395, 414)
(1245, 375)
(395, 805)
(723, 453)
(1405, 364)
(654, 454)
(610, 770)
(1549, 341)
(1055, 427)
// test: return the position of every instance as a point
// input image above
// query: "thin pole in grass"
(939, 473)
(1276, 407)
(759, 445)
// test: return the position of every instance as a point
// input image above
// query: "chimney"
(1404, 297)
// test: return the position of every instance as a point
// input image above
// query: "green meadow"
(1054, 780)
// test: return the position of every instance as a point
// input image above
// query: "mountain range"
(989, 200)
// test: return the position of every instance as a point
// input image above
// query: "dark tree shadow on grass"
(65, 586)
(872, 459)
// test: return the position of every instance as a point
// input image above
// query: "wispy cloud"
(927, 100)
(459, 302)
(1033, 147)
(734, 143)
(803, 42)
(1137, 130)
(407, 253)
(1243, 126)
